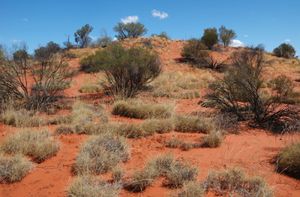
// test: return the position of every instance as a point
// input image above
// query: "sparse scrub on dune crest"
(89, 186)
(285, 50)
(234, 182)
(137, 109)
(13, 168)
(39, 145)
(21, 118)
(100, 154)
(241, 92)
(288, 161)
(188, 123)
(176, 173)
(127, 71)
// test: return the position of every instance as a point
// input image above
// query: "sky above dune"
(36, 22)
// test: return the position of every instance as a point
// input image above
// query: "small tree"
(240, 92)
(226, 35)
(43, 54)
(129, 30)
(285, 50)
(162, 35)
(82, 36)
(127, 70)
(210, 37)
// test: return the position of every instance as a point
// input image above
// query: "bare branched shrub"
(88, 186)
(36, 83)
(13, 168)
(240, 92)
(127, 70)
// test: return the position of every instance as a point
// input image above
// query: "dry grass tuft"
(137, 109)
(13, 168)
(21, 118)
(90, 89)
(288, 160)
(88, 186)
(213, 139)
(100, 154)
(39, 145)
(191, 189)
(234, 182)
(187, 123)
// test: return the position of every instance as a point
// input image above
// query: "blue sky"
(36, 22)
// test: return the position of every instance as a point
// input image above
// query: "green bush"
(129, 30)
(285, 50)
(195, 51)
(226, 35)
(210, 37)
(288, 160)
(127, 70)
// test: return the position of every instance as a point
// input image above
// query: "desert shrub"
(101, 154)
(162, 35)
(158, 125)
(180, 173)
(104, 41)
(288, 160)
(82, 37)
(127, 71)
(51, 75)
(191, 189)
(210, 37)
(240, 92)
(234, 182)
(285, 50)
(89, 88)
(226, 35)
(44, 53)
(187, 123)
(129, 30)
(39, 145)
(213, 139)
(226, 122)
(174, 143)
(88, 186)
(133, 131)
(117, 174)
(136, 109)
(13, 168)
(21, 118)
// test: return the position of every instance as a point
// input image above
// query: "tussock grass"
(21, 118)
(180, 85)
(88, 186)
(90, 89)
(288, 161)
(188, 123)
(117, 173)
(137, 109)
(101, 154)
(234, 182)
(213, 139)
(177, 143)
(13, 168)
(191, 189)
(176, 173)
(39, 145)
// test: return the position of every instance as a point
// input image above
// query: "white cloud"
(159, 14)
(287, 40)
(237, 43)
(130, 19)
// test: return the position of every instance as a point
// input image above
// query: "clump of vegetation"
(49, 71)
(90, 89)
(127, 71)
(241, 92)
(213, 139)
(177, 143)
(21, 118)
(89, 186)
(285, 50)
(136, 109)
(226, 35)
(158, 125)
(163, 35)
(288, 160)
(210, 37)
(13, 168)
(191, 189)
(82, 37)
(101, 154)
(234, 182)
(39, 145)
(187, 123)
(117, 174)
(129, 30)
